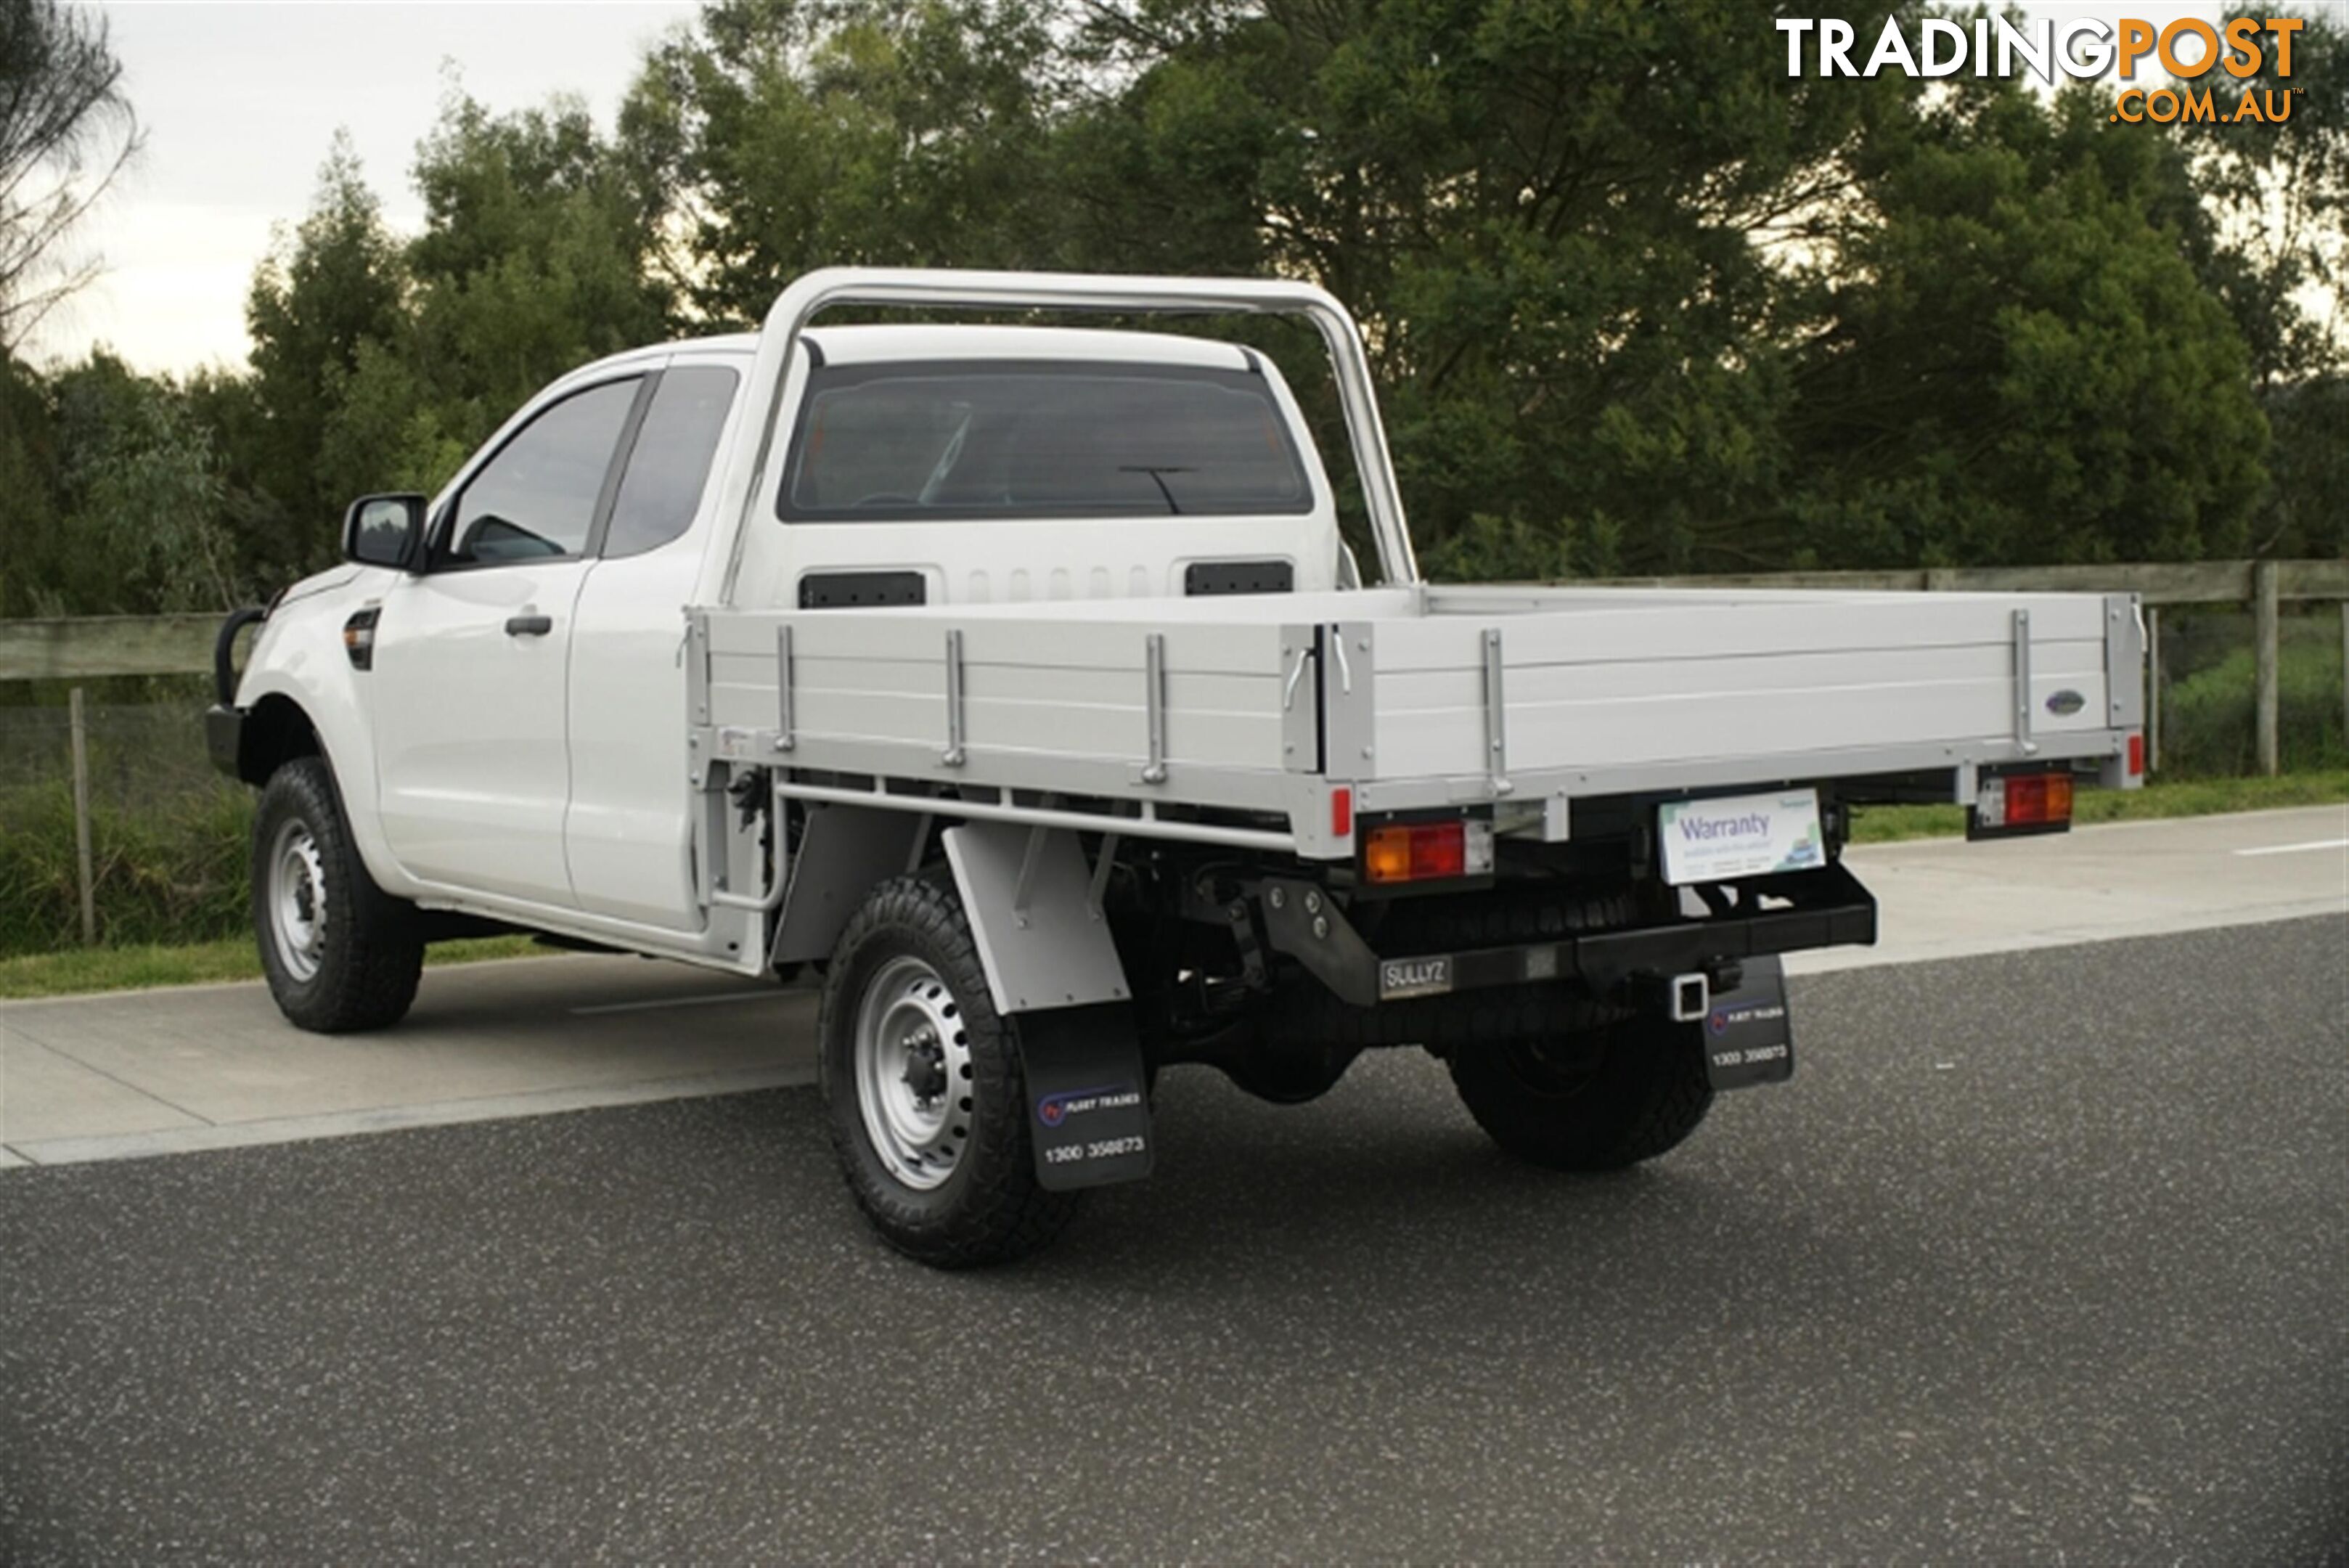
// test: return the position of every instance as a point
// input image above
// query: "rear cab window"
(668, 467)
(933, 440)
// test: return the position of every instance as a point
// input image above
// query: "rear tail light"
(1426, 851)
(2022, 802)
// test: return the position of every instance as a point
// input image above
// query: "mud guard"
(1749, 1038)
(1088, 1096)
(1030, 900)
(1055, 976)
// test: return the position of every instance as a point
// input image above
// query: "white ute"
(1018, 678)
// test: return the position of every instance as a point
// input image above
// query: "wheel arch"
(288, 716)
(276, 729)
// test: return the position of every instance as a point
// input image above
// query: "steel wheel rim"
(297, 899)
(913, 1072)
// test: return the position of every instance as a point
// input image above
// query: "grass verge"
(194, 963)
(2187, 797)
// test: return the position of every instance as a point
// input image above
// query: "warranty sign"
(1740, 835)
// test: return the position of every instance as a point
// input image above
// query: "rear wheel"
(924, 1087)
(1598, 1100)
(1555, 1076)
(340, 954)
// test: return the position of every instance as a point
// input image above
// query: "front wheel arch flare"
(276, 730)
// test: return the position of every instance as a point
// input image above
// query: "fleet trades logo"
(2084, 48)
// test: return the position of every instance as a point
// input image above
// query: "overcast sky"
(241, 100)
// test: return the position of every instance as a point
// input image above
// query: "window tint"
(536, 498)
(1040, 439)
(662, 488)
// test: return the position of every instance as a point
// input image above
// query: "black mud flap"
(1748, 1037)
(1088, 1096)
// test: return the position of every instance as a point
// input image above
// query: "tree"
(28, 464)
(2014, 362)
(335, 282)
(1557, 221)
(269, 547)
(2305, 509)
(65, 131)
(535, 257)
(2277, 194)
(145, 495)
(124, 503)
(1636, 300)
(791, 136)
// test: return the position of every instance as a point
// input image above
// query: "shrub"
(172, 869)
(2208, 724)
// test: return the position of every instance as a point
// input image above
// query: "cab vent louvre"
(853, 590)
(1204, 577)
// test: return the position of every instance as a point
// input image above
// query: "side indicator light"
(358, 638)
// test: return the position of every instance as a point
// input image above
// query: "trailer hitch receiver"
(1692, 997)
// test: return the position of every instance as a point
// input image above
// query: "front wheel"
(924, 1087)
(340, 954)
(1598, 1099)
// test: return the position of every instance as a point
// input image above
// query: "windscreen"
(904, 442)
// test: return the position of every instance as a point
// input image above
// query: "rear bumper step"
(1823, 909)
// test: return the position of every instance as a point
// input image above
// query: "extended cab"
(1019, 679)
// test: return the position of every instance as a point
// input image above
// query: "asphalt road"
(2042, 1257)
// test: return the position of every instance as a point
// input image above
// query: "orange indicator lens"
(1416, 852)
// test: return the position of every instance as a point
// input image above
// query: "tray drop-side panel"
(1599, 686)
(1050, 687)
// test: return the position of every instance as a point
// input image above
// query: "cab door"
(471, 657)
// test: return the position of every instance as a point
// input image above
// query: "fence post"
(81, 819)
(2153, 688)
(2264, 628)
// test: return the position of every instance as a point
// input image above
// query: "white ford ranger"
(1019, 679)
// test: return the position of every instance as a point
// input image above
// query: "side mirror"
(385, 531)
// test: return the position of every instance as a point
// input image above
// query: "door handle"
(529, 625)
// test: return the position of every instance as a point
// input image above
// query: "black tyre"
(924, 1087)
(1598, 1100)
(341, 954)
(1554, 1075)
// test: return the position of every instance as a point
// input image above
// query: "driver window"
(536, 500)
